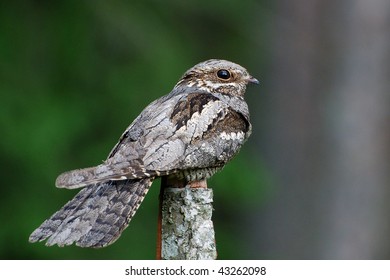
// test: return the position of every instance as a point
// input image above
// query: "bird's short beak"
(253, 80)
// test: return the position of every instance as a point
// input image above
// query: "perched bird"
(186, 136)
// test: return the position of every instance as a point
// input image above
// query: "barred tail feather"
(96, 216)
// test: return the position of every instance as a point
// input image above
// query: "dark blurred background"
(311, 183)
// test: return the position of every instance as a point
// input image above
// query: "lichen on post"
(187, 231)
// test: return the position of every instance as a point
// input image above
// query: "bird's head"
(217, 76)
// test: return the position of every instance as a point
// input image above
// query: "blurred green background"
(311, 183)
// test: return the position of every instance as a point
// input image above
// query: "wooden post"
(186, 231)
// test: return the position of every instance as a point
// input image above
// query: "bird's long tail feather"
(96, 216)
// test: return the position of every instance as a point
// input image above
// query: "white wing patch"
(232, 136)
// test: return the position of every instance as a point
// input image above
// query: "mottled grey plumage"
(187, 135)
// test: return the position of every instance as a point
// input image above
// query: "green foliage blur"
(73, 76)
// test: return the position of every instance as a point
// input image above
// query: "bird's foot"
(198, 184)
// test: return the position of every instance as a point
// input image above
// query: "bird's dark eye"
(223, 74)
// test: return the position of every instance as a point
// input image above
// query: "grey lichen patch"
(187, 228)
